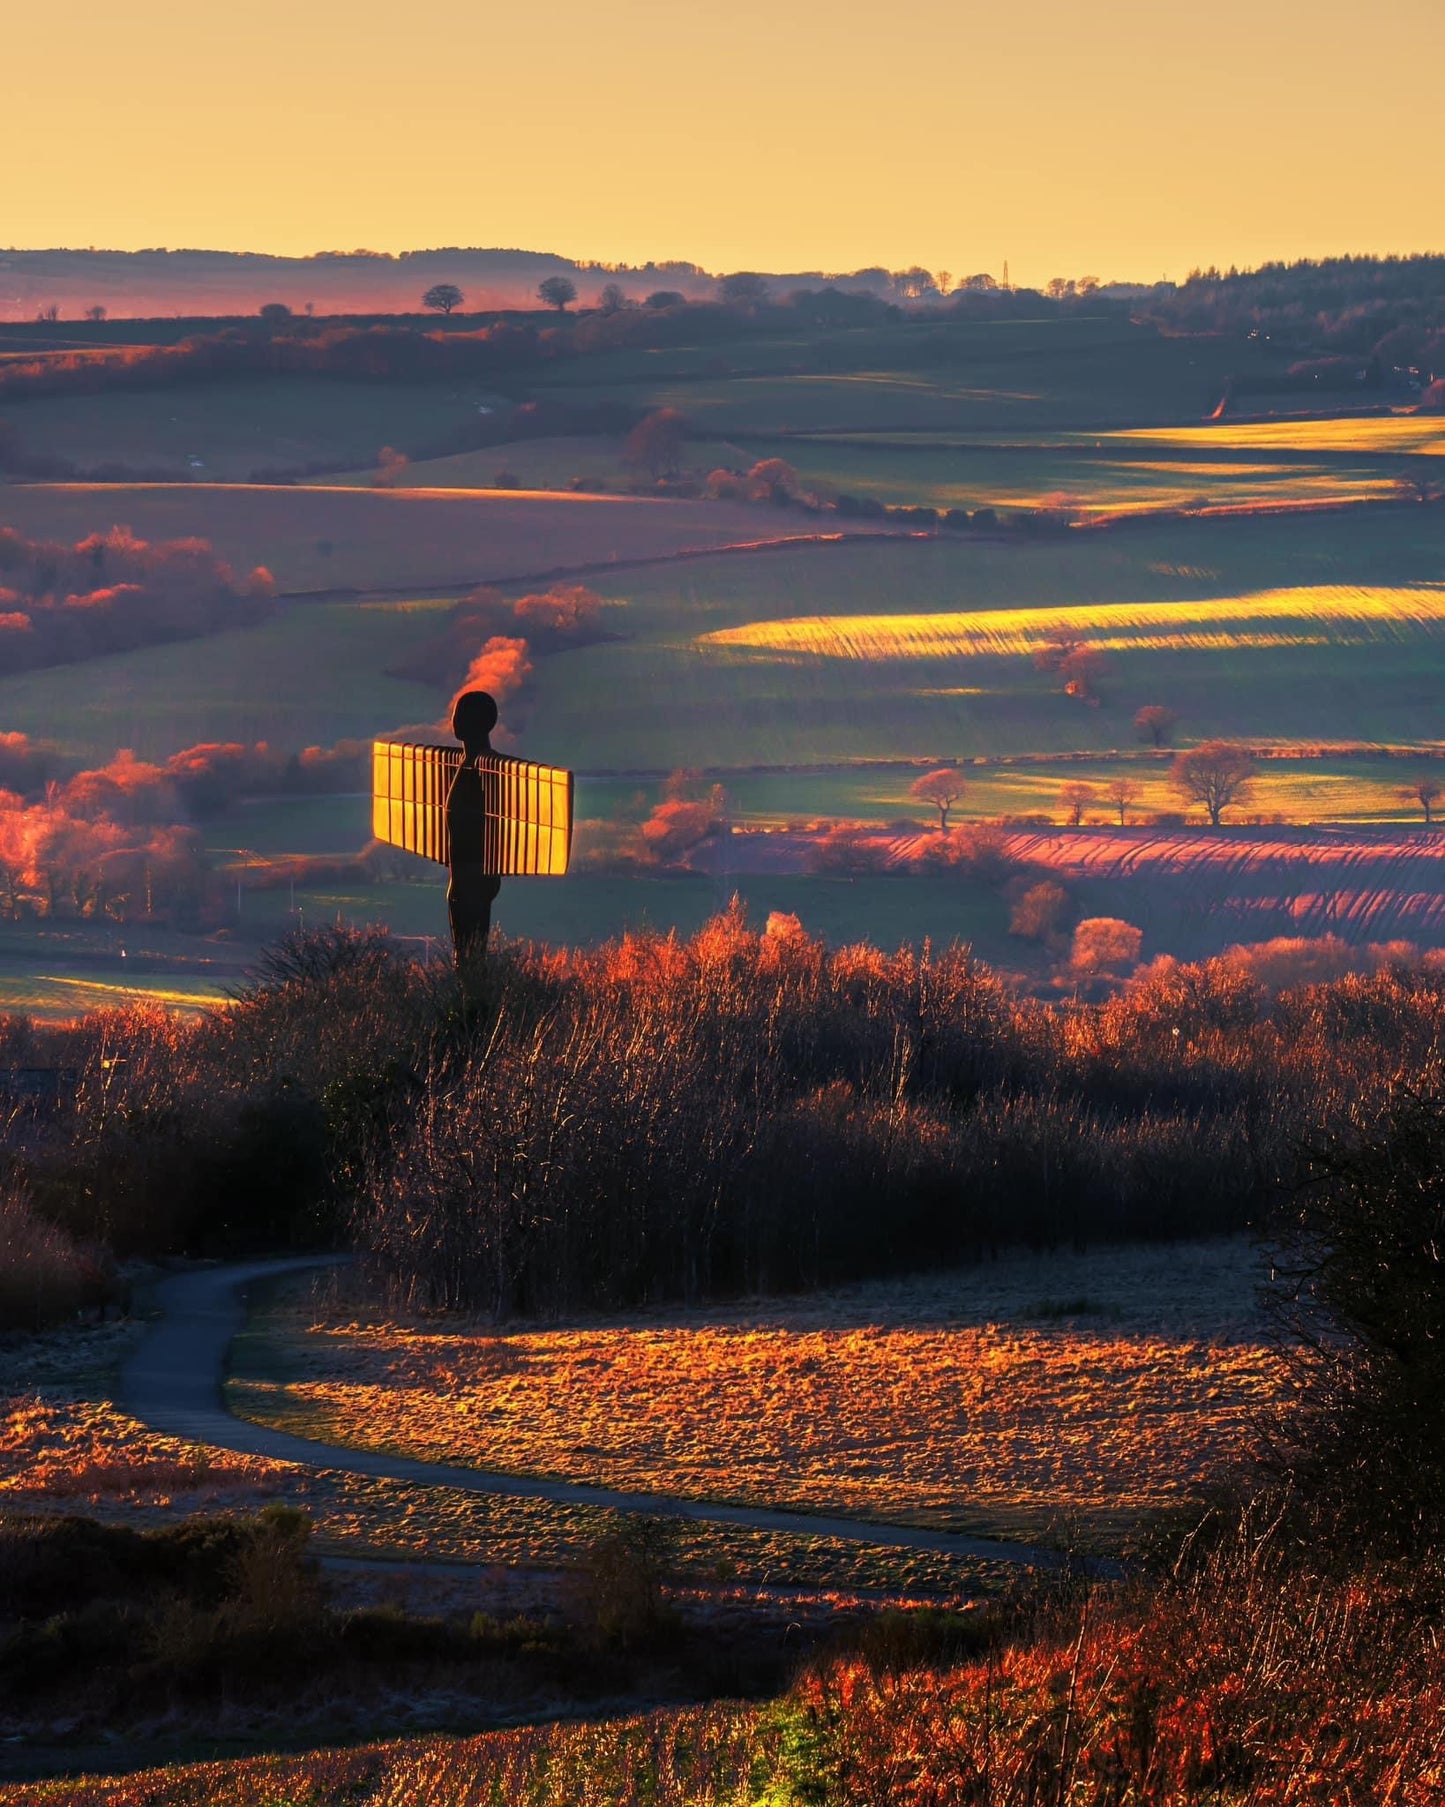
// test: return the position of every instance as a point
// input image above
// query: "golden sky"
(1128, 138)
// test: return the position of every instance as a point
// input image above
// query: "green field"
(955, 376)
(328, 538)
(1077, 480)
(662, 696)
(829, 718)
(223, 432)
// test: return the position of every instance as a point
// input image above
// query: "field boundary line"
(639, 561)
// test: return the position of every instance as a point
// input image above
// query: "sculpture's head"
(474, 715)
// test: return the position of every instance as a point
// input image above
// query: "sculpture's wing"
(527, 827)
(528, 830)
(409, 786)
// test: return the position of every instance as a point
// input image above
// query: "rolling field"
(315, 538)
(312, 674)
(970, 376)
(1091, 1389)
(224, 432)
(1079, 481)
(714, 703)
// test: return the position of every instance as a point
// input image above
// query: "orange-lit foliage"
(1104, 944)
(1255, 1682)
(502, 667)
(1252, 1684)
(543, 622)
(118, 841)
(111, 591)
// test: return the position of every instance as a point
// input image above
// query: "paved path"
(173, 1382)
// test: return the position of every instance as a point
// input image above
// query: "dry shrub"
(620, 1588)
(1252, 1678)
(45, 1276)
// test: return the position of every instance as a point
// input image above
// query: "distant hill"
(140, 284)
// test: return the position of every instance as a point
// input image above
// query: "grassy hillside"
(319, 538)
(954, 376)
(228, 431)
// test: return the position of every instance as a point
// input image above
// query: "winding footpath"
(174, 1383)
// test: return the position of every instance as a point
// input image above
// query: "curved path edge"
(174, 1383)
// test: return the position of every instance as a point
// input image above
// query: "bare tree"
(558, 292)
(613, 299)
(48, 313)
(1216, 774)
(1156, 724)
(942, 788)
(443, 297)
(1122, 793)
(96, 313)
(1075, 799)
(1426, 792)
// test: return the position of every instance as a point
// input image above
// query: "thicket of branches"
(675, 1120)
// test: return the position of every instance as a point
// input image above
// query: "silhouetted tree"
(613, 299)
(274, 312)
(744, 290)
(1216, 774)
(1075, 799)
(942, 788)
(96, 313)
(661, 298)
(1156, 724)
(1122, 792)
(1427, 793)
(443, 297)
(558, 292)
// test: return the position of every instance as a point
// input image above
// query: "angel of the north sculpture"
(483, 815)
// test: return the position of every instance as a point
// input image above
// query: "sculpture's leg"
(470, 897)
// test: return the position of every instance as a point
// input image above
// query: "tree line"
(112, 591)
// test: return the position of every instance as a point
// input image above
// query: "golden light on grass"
(1327, 614)
(1368, 433)
(1010, 1426)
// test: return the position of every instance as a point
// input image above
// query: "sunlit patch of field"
(1078, 481)
(67, 1447)
(1326, 614)
(1091, 1389)
(55, 996)
(1379, 433)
